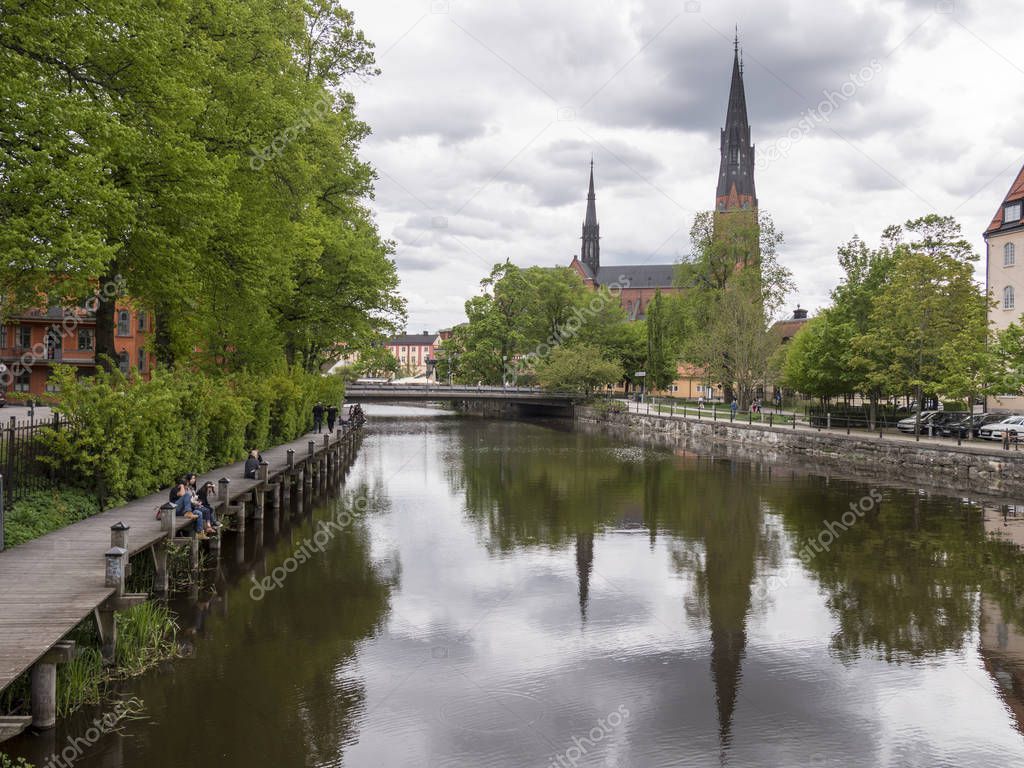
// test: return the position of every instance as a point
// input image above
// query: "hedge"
(128, 437)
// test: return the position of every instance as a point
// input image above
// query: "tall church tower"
(736, 172)
(590, 250)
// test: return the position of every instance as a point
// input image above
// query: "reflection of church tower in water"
(731, 547)
(584, 565)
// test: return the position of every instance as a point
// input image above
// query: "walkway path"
(974, 445)
(50, 584)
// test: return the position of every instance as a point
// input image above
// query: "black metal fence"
(22, 455)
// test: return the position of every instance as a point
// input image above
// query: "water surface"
(509, 594)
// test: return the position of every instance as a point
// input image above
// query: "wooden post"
(116, 558)
(44, 684)
(161, 579)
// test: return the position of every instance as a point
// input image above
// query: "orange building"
(32, 342)
(416, 353)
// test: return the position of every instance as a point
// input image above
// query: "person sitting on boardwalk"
(200, 500)
(332, 416)
(252, 465)
(318, 417)
(181, 497)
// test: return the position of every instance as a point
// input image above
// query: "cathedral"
(735, 192)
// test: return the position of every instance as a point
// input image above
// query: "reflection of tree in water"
(526, 486)
(271, 680)
(902, 580)
(529, 488)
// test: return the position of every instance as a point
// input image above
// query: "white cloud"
(486, 115)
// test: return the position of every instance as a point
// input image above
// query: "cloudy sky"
(863, 114)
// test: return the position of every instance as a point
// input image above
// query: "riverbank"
(980, 469)
(54, 582)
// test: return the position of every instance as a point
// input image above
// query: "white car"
(995, 431)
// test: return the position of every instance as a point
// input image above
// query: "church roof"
(637, 276)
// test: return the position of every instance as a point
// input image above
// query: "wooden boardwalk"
(49, 585)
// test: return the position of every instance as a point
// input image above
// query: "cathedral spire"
(736, 172)
(590, 251)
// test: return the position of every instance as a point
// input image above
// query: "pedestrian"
(734, 406)
(332, 416)
(318, 417)
(700, 403)
(252, 465)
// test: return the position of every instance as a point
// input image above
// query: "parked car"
(907, 425)
(3, 399)
(995, 431)
(971, 424)
(944, 419)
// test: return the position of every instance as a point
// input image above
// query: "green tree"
(733, 288)
(578, 368)
(929, 307)
(662, 348)
(376, 361)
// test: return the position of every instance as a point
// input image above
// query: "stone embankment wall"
(932, 464)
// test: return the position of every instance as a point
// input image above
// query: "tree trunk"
(162, 338)
(106, 319)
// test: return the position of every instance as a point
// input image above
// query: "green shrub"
(40, 512)
(128, 437)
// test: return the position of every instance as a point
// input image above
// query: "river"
(508, 595)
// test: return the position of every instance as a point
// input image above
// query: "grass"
(40, 512)
(145, 637)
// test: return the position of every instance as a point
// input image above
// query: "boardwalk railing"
(21, 457)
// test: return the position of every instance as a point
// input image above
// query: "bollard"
(119, 538)
(119, 535)
(167, 518)
(114, 576)
(264, 471)
(291, 459)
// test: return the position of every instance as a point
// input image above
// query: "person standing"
(318, 417)
(332, 417)
(734, 406)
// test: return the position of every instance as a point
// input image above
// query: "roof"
(421, 339)
(1016, 193)
(638, 276)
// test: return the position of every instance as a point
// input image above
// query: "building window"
(124, 323)
(142, 361)
(734, 155)
(142, 322)
(123, 362)
(51, 384)
(1009, 255)
(1008, 297)
(25, 337)
(21, 383)
(86, 339)
(1011, 212)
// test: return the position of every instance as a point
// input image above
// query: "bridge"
(521, 401)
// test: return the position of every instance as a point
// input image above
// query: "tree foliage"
(208, 154)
